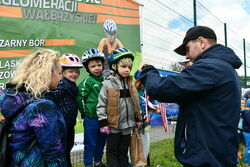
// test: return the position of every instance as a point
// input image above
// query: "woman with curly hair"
(35, 116)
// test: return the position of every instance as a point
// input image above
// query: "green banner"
(69, 26)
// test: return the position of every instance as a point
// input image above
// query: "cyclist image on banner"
(110, 43)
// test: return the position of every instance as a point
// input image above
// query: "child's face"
(95, 67)
(71, 74)
(243, 102)
(111, 37)
(124, 69)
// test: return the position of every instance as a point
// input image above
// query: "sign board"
(69, 26)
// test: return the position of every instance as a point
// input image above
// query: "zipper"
(124, 93)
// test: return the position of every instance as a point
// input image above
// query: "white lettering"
(12, 43)
(46, 4)
(9, 64)
(94, 1)
(54, 3)
(61, 5)
(36, 3)
(2, 86)
(23, 4)
(14, 3)
(66, 6)
(6, 2)
(6, 75)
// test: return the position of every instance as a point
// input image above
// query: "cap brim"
(181, 50)
(183, 62)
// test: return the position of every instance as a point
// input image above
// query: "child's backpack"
(4, 142)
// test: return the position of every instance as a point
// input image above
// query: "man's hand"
(157, 110)
(141, 65)
(146, 119)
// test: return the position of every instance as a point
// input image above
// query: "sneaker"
(99, 164)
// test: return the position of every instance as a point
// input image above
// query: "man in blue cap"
(208, 93)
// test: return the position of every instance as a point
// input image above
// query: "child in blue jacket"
(66, 93)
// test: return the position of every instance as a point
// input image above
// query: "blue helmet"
(247, 94)
(248, 103)
(118, 54)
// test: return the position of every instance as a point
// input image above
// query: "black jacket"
(208, 93)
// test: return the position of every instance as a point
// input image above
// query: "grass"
(162, 153)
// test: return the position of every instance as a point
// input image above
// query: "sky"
(165, 23)
(236, 13)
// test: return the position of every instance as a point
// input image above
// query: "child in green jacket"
(87, 99)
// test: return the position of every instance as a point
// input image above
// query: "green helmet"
(119, 54)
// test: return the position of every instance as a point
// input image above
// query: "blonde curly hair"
(35, 71)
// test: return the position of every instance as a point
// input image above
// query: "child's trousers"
(94, 141)
(117, 150)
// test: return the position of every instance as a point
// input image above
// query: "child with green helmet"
(118, 107)
(87, 99)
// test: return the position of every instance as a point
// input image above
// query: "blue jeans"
(94, 141)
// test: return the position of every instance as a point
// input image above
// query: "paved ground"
(156, 134)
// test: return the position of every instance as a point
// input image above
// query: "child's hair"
(92, 54)
(69, 60)
(120, 55)
(35, 71)
(138, 84)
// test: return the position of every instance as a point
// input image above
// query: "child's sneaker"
(99, 164)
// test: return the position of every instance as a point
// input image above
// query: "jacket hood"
(117, 81)
(12, 101)
(221, 52)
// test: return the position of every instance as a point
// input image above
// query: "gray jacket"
(124, 111)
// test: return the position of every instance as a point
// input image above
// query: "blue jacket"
(40, 119)
(208, 93)
(245, 114)
(65, 95)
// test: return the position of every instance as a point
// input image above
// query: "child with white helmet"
(66, 93)
(118, 107)
(87, 99)
(110, 43)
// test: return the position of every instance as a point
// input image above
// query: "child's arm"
(101, 106)
(82, 95)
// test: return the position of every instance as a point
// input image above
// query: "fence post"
(195, 18)
(245, 62)
(225, 33)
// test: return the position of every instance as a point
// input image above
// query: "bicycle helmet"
(248, 103)
(92, 53)
(247, 94)
(137, 74)
(119, 54)
(69, 60)
(109, 26)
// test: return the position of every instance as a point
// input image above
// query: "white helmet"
(109, 26)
